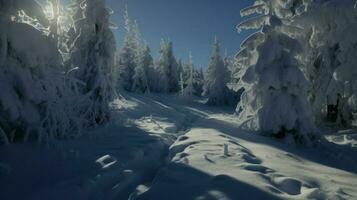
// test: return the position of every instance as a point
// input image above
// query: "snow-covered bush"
(216, 79)
(92, 53)
(275, 100)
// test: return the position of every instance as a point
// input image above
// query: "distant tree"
(198, 82)
(181, 83)
(189, 89)
(127, 56)
(197, 78)
(143, 71)
(217, 77)
(180, 67)
(137, 39)
(167, 68)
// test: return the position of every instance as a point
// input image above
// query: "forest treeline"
(60, 68)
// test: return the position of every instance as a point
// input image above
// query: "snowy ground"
(168, 148)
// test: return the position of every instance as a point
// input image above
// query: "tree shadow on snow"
(328, 154)
(179, 181)
(91, 167)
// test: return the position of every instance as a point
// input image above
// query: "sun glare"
(48, 10)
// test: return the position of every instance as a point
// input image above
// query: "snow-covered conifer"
(126, 57)
(198, 82)
(93, 54)
(34, 101)
(137, 40)
(217, 77)
(275, 101)
(189, 89)
(167, 68)
(142, 71)
(330, 55)
(197, 78)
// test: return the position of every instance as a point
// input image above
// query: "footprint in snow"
(249, 158)
(106, 161)
(256, 168)
(208, 159)
(182, 138)
(288, 185)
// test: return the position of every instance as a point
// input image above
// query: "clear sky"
(190, 24)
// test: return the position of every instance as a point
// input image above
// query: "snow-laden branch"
(259, 9)
(253, 23)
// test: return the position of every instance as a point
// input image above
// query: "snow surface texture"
(172, 149)
(216, 161)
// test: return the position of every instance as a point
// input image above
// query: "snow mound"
(219, 163)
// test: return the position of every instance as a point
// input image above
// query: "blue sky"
(190, 24)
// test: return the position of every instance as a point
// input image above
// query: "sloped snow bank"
(217, 161)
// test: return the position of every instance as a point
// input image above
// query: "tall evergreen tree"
(217, 77)
(137, 40)
(142, 71)
(126, 57)
(329, 56)
(194, 77)
(93, 54)
(198, 82)
(275, 100)
(35, 102)
(189, 90)
(168, 69)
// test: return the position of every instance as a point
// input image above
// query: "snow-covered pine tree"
(217, 77)
(275, 101)
(126, 56)
(229, 63)
(143, 71)
(197, 79)
(198, 82)
(189, 89)
(167, 68)
(180, 66)
(137, 40)
(330, 55)
(181, 83)
(33, 101)
(93, 54)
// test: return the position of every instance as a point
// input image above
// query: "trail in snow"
(253, 167)
(161, 147)
(199, 169)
